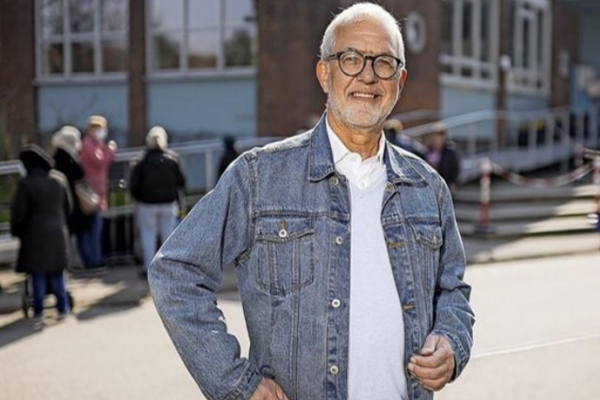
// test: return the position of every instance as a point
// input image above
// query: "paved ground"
(537, 337)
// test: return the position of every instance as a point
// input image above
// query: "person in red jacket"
(96, 157)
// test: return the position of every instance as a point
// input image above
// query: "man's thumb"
(430, 345)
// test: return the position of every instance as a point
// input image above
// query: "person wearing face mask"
(96, 157)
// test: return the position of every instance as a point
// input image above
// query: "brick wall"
(565, 38)
(290, 33)
(17, 73)
(137, 71)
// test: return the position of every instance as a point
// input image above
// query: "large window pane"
(238, 11)
(447, 22)
(51, 14)
(485, 30)
(239, 47)
(114, 55)
(53, 58)
(467, 29)
(202, 52)
(114, 15)
(526, 62)
(203, 13)
(81, 14)
(82, 57)
(167, 14)
(167, 48)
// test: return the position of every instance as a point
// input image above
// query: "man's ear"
(323, 75)
(402, 80)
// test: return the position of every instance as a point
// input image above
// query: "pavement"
(121, 285)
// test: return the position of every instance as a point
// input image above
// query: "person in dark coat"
(66, 144)
(156, 183)
(442, 155)
(39, 219)
(229, 154)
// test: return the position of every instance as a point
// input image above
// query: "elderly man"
(349, 261)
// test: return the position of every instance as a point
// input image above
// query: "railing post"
(579, 154)
(210, 171)
(485, 196)
(550, 124)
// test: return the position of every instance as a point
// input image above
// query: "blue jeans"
(90, 242)
(57, 287)
(154, 220)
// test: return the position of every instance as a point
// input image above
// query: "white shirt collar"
(340, 151)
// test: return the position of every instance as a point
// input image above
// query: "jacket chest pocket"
(285, 254)
(428, 240)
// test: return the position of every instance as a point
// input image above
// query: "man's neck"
(362, 141)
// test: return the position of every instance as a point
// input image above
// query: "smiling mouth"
(365, 96)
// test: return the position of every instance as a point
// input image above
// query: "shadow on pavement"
(15, 331)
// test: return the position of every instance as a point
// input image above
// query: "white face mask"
(101, 134)
(22, 169)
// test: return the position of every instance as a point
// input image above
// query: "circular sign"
(416, 32)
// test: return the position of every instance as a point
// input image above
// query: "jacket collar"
(321, 165)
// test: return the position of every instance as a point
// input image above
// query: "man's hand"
(112, 145)
(435, 366)
(268, 390)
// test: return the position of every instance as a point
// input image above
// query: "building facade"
(206, 68)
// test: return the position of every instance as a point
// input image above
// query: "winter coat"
(39, 215)
(96, 158)
(66, 164)
(157, 178)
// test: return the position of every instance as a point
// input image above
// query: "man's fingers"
(422, 373)
(440, 356)
(430, 345)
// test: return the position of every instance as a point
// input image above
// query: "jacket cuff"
(460, 355)
(246, 384)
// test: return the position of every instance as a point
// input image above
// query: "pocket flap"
(283, 229)
(428, 234)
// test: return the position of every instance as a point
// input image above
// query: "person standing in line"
(96, 158)
(442, 155)
(157, 182)
(39, 213)
(229, 154)
(349, 261)
(66, 143)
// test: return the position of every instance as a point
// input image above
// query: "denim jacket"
(280, 215)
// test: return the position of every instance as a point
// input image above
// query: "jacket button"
(336, 303)
(339, 240)
(334, 370)
(282, 233)
(335, 181)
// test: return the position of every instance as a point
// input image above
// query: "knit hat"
(68, 138)
(157, 138)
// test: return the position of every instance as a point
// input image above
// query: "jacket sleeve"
(19, 210)
(135, 181)
(453, 316)
(183, 279)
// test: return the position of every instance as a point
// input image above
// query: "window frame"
(183, 70)
(456, 60)
(535, 71)
(67, 38)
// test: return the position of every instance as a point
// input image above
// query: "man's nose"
(368, 75)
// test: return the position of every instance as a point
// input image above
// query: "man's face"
(363, 101)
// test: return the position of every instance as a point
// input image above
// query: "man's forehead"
(365, 36)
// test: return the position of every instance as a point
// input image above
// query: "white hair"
(157, 138)
(361, 12)
(67, 138)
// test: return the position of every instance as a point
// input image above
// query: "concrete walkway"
(122, 285)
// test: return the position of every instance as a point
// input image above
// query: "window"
(81, 37)
(531, 31)
(200, 35)
(469, 41)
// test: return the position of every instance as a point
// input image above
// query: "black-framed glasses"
(352, 63)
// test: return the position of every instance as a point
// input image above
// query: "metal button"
(336, 303)
(282, 233)
(334, 370)
(335, 181)
(339, 240)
